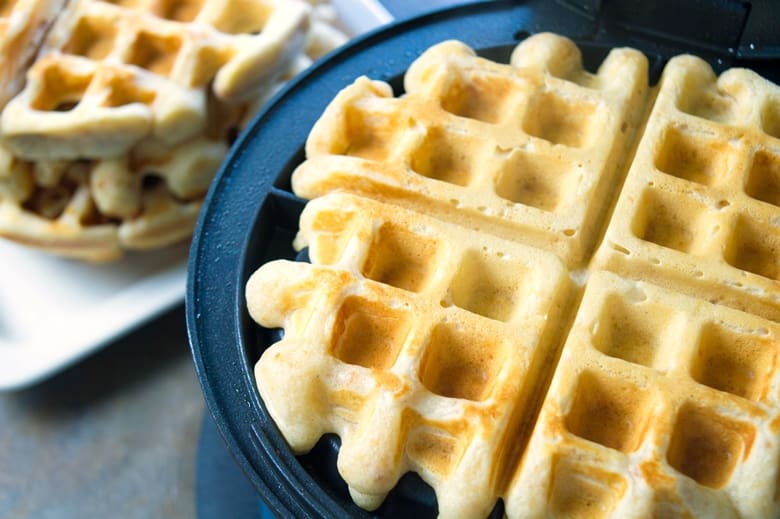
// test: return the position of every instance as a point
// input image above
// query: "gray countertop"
(114, 436)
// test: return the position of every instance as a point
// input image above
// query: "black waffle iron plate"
(251, 215)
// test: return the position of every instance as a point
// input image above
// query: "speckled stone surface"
(114, 436)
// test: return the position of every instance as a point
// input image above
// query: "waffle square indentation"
(444, 156)
(178, 10)
(770, 118)
(763, 181)
(154, 52)
(372, 136)
(401, 258)
(93, 38)
(609, 411)
(368, 334)
(670, 221)
(560, 121)
(706, 447)
(51, 202)
(488, 285)
(483, 97)
(461, 363)
(632, 331)
(693, 158)
(62, 90)
(534, 181)
(754, 248)
(124, 91)
(584, 491)
(733, 362)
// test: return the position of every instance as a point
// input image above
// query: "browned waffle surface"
(701, 205)
(661, 405)
(533, 283)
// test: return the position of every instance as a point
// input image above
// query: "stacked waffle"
(533, 283)
(129, 108)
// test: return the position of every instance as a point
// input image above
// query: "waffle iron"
(251, 215)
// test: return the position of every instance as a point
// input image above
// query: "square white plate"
(55, 311)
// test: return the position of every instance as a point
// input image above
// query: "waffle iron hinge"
(727, 33)
(730, 29)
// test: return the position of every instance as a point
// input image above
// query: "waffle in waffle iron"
(537, 284)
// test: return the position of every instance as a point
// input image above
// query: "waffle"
(97, 209)
(23, 25)
(700, 203)
(527, 149)
(392, 294)
(627, 368)
(662, 405)
(130, 109)
(114, 74)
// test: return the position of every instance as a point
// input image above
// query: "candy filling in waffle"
(535, 284)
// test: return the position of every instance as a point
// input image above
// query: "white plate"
(55, 311)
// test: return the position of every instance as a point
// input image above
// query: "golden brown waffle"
(23, 25)
(527, 150)
(648, 385)
(113, 74)
(701, 204)
(131, 109)
(403, 337)
(97, 209)
(662, 405)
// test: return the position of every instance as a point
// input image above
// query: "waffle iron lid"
(251, 216)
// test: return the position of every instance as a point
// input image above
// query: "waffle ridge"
(638, 378)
